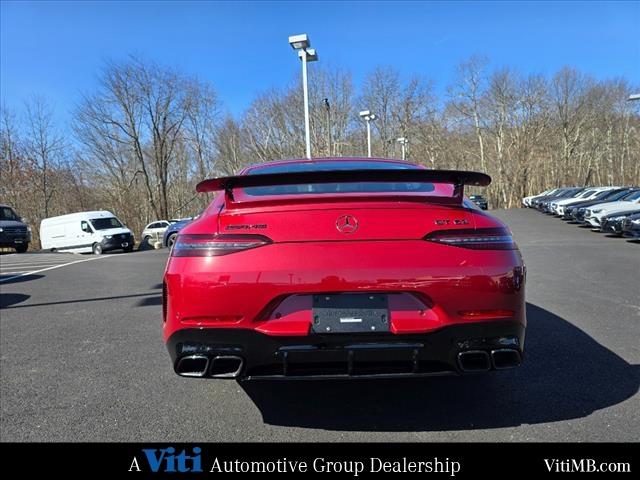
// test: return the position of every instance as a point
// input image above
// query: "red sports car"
(343, 268)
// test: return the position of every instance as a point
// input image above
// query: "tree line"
(139, 142)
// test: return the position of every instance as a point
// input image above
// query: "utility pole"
(327, 106)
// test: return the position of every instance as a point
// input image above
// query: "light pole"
(327, 106)
(403, 141)
(302, 44)
(635, 96)
(368, 117)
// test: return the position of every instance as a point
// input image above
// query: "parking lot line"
(31, 272)
(18, 269)
(36, 265)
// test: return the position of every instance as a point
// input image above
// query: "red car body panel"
(267, 293)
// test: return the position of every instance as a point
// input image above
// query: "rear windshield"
(105, 223)
(320, 188)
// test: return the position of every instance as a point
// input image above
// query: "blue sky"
(57, 48)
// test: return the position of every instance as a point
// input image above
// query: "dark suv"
(14, 233)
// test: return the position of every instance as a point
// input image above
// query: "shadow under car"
(566, 375)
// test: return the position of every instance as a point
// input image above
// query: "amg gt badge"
(457, 221)
(259, 226)
(347, 224)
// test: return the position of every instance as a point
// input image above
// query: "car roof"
(71, 216)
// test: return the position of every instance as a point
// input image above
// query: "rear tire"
(22, 248)
(128, 249)
(97, 249)
(172, 239)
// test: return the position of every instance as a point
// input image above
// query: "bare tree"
(466, 97)
(569, 90)
(141, 117)
(43, 145)
(11, 157)
(381, 94)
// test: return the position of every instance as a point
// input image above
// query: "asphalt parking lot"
(82, 359)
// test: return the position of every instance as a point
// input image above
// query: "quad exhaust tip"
(226, 366)
(220, 366)
(474, 361)
(505, 358)
(193, 366)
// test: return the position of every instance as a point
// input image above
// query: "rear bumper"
(257, 305)
(346, 355)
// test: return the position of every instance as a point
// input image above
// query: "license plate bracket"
(350, 313)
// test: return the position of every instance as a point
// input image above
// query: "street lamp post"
(368, 117)
(302, 44)
(635, 96)
(327, 106)
(403, 141)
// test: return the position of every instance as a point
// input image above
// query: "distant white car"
(559, 206)
(526, 201)
(593, 215)
(154, 231)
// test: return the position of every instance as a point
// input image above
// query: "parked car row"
(614, 210)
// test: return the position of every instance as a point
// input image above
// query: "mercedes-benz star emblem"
(347, 224)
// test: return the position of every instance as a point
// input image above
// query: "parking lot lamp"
(634, 96)
(302, 44)
(327, 107)
(403, 141)
(368, 117)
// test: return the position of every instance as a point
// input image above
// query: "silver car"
(154, 231)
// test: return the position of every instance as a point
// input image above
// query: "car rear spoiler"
(458, 178)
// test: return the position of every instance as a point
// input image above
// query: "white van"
(85, 232)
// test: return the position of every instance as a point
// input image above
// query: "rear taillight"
(476, 238)
(215, 245)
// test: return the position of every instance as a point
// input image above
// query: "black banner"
(460, 460)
